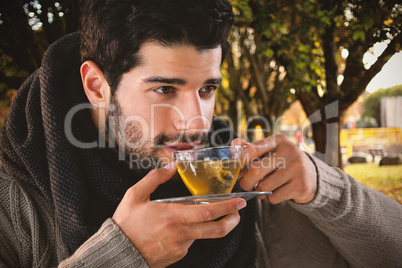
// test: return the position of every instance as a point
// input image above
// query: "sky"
(391, 73)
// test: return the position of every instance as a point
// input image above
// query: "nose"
(191, 118)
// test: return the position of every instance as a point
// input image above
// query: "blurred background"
(325, 73)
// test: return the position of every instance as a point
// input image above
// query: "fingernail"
(241, 205)
(170, 166)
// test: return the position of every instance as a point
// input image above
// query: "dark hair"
(113, 30)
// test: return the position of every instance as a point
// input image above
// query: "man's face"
(165, 104)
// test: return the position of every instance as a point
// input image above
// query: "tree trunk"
(325, 124)
(327, 146)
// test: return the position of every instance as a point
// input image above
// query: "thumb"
(147, 185)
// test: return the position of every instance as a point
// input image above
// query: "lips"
(181, 146)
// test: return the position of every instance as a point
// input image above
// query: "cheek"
(161, 119)
(138, 115)
(208, 109)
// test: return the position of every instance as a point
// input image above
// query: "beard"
(128, 135)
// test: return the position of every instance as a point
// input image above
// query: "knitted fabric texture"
(85, 185)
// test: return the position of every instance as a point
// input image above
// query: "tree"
(255, 77)
(255, 82)
(282, 51)
(372, 102)
(307, 38)
(27, 28)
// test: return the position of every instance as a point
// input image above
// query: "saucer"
(212, 198)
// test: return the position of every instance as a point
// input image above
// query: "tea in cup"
(210, 170)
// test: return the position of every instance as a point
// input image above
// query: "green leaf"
(359, 34)
(269, 53)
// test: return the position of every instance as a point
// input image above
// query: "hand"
(163, 232)
(278, 166)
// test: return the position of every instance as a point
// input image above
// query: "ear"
(95, 85)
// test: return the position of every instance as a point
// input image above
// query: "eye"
(208, 90)
(165, 90)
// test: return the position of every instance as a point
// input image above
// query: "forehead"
(183, 58)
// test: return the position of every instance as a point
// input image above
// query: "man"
(88, 144)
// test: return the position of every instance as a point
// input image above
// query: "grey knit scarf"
(85, 186)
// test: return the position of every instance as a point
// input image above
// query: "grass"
(385, 179)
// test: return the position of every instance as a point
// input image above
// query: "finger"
(147, 185)
(209, 212)
(214, 229)
(281, 194)
(259, 148)
(273, 181)
(257, 170)
(296, 189)
(238, 142)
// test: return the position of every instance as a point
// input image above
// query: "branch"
(331, 67)
(278, 107)
(309, 102)
(235, 84)
(382, 59)
(352, 91)
(261, 85)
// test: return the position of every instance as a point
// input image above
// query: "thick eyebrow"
(214, 81)
(165, 80)
(178, 81)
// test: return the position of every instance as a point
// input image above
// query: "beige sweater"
(346, 225)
